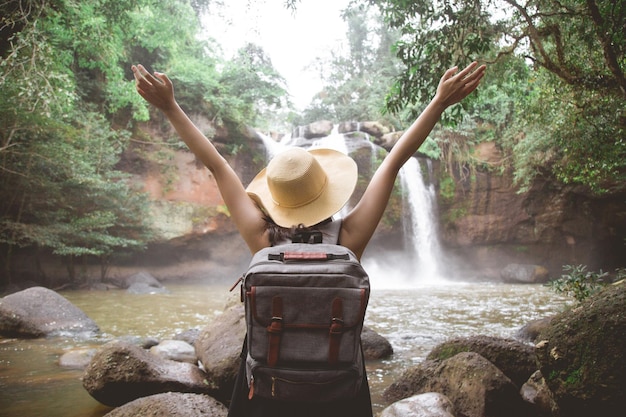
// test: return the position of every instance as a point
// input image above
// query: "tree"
(251, 80)
(68, 108)
(572, 115)
(356, 80)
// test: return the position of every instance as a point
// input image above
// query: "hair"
(279, 234)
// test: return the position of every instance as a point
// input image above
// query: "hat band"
(304, 203)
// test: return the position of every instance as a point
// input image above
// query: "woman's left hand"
(156, 89)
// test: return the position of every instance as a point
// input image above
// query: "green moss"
(448, 351)
(574, 378)
(447, 189)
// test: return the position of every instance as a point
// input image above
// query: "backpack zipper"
(276, 379)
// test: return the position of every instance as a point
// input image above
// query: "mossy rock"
(515, 359)
(581, 355)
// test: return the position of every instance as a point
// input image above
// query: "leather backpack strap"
(336, 331)
(274, 331)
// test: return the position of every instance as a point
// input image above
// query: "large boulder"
(171, 404)
(515, 359)
(38, 311)
(473, 384)
(218, 348)
(374, 345)
(581, 355)
(120, 372)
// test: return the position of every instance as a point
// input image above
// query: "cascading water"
(271, 146)
(335, 140)
(420, 226)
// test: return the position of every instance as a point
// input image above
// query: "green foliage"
(65, 196)
(68, 105)
(447, 188)
(555, 87)
(430, 148)
(254, 89)
(357, 78)
(577, 282)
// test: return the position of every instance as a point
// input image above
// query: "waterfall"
(335, 140)
(271, 146)
(420, 226)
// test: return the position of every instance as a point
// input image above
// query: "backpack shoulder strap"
(330, 231)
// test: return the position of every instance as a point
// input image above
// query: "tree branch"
(610, 56)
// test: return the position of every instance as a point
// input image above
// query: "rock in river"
(38, 311)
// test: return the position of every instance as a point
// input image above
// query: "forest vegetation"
(552, 100)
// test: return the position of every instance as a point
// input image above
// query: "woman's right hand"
(454, 86)
(156, 89)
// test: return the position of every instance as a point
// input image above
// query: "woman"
(300, 188)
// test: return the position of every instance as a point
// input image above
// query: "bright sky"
(291, 40)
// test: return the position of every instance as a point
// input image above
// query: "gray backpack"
(305, 305)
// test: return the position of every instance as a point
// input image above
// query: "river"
(413, 318)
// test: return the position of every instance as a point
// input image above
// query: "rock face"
(488, 224)
(531, 331)
(581, 355)
(485, 223)
(171, 404)
(120, 372)
(38, 311)
(475, 386)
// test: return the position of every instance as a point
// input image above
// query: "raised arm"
(157, 89)
(359, 225)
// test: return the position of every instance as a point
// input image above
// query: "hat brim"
(342, 173)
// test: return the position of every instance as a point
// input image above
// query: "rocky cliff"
(488, 223)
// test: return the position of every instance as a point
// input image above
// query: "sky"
(292, 40)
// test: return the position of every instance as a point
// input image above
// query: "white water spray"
(271, 146)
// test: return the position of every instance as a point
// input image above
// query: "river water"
(414, 318)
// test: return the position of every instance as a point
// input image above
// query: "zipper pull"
(273, 386)
(251, 392)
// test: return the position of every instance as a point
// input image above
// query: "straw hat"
(304, 187)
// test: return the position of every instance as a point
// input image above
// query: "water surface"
(414, 319)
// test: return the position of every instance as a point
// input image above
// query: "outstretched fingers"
(156, 89)
(455, 85)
